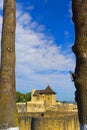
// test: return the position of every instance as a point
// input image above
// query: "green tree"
(21, 97)
(8, 112)
(79, 8)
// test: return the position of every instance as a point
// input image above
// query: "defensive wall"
(35, 107)
(50, 120)
(44, 113)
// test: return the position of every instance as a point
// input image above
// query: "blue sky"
(44, 37)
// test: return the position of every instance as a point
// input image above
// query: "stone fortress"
(44, 113)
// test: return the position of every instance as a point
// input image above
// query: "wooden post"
(8, 111)
(79, 8)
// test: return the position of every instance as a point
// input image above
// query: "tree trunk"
(8, 111)
(79, 8)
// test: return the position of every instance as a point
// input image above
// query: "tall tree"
(8, 112)
(79, 8)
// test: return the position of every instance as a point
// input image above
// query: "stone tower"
(8, 113)
(79, 8)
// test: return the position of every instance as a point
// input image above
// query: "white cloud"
(39, 61)
(70, 9)
(24, 19)
(35, 46)
(30, 7)
(66, 33)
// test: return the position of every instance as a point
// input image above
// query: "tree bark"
(79, 8)
(8, 111)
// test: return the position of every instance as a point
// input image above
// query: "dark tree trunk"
(79, 8)
(8, 112)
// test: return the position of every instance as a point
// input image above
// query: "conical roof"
(46, 91)
(49, 90)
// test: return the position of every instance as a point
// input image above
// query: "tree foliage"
(22, 97)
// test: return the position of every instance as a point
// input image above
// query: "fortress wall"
(35, 107)
(39, 106)
(25, 122)
(55, 123)
(21, 107)
(49, 121)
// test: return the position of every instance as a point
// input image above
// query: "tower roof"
(46, 91)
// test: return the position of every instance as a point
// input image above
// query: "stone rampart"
(40, 107)
(49, 121)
